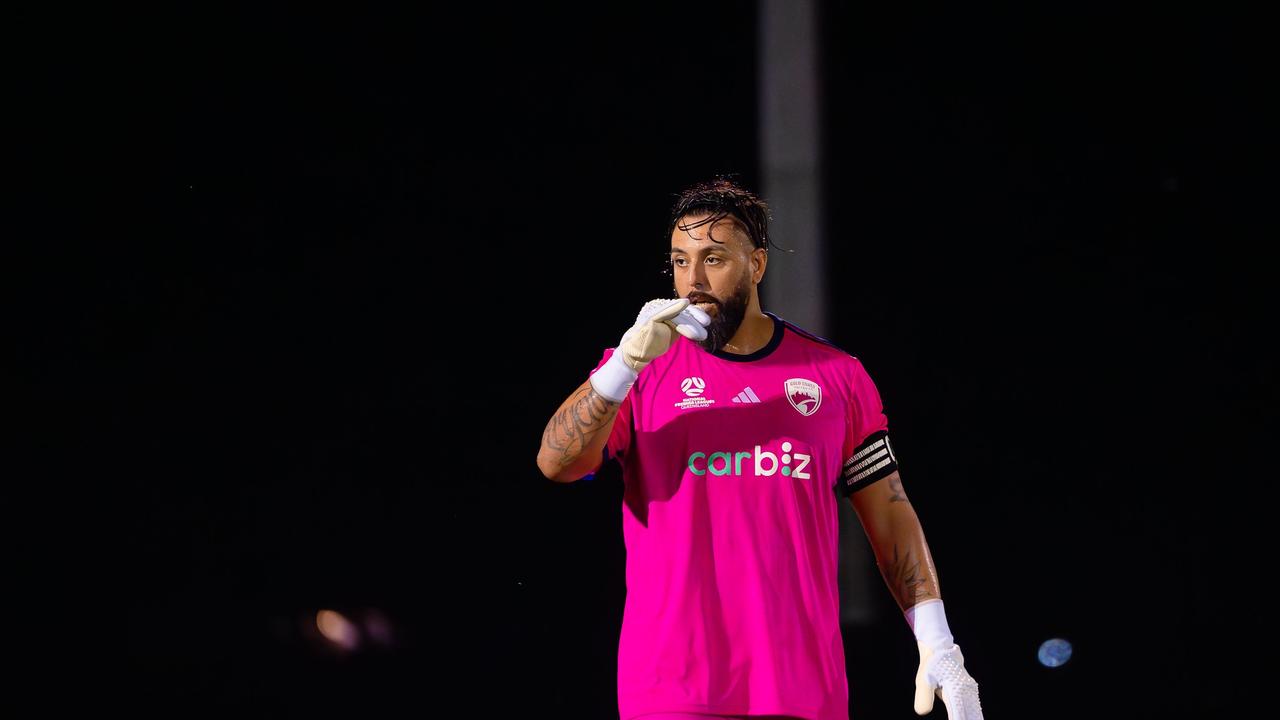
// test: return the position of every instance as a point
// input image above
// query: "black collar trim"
(779, 328)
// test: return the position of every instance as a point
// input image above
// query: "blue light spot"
(1054, 652)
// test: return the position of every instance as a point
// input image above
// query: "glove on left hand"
(942, 673)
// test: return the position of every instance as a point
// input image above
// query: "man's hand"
(650, 337)
(652, 333)
(942, 673)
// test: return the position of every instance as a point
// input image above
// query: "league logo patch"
(693, 386)
(805, 395)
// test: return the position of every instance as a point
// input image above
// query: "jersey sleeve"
(868, 456)
(620, 437)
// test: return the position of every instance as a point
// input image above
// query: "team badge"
(805, 395)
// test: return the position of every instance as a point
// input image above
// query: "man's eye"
(713, 260)
(679, 262)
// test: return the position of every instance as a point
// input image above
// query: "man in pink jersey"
(738, 434)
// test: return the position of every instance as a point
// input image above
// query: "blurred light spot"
(337, 629)
(1054, 652)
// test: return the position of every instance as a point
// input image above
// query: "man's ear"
(759, 260)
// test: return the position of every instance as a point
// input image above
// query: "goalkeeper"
(738, 433)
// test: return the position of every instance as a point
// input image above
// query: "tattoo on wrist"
(571, 429)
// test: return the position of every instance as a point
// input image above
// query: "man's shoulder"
(822, 347)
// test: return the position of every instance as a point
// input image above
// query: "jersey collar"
(774, 342)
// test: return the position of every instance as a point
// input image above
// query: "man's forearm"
(576, 434)
(907, 568)
(898, 541)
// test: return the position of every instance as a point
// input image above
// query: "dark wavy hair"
(720, 198)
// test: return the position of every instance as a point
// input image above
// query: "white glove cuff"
(614, 379)
(929, 622)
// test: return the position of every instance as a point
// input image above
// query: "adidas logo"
(747, 396)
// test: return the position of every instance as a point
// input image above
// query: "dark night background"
(384, 245)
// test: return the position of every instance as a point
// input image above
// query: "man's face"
(717, 268)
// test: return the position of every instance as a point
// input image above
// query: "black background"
(359, 257)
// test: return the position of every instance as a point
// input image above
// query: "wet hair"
(720, 198)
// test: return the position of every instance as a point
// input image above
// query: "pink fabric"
(703, 716)
(732, 604)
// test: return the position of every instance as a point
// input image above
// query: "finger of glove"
(924, 696)
(664, 313)
(698, 314)
(689, 326)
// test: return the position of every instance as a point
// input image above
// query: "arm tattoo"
(905, 580)
(571, 429)
(895, 485)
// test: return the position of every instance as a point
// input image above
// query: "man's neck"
(754, 333)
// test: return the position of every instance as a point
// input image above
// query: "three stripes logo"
(747, 396)
(873, 460)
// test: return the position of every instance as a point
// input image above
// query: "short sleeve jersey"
(733, 466)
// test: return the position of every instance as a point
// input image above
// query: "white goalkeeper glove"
(941, 671)
(650, 336)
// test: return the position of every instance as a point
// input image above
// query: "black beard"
(727, 319)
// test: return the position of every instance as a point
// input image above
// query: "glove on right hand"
(650, 336)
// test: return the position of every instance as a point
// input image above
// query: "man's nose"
(697, 278)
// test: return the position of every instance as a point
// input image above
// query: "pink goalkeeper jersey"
(732, 466)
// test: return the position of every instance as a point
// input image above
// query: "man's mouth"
(705, 304)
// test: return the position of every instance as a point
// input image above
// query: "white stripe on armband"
(855, 468)
(870, 470)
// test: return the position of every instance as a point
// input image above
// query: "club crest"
(805, 395)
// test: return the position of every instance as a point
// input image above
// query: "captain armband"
(872, 460)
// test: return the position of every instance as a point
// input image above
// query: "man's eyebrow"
(682, 251)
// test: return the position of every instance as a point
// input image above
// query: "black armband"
(871, 461)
